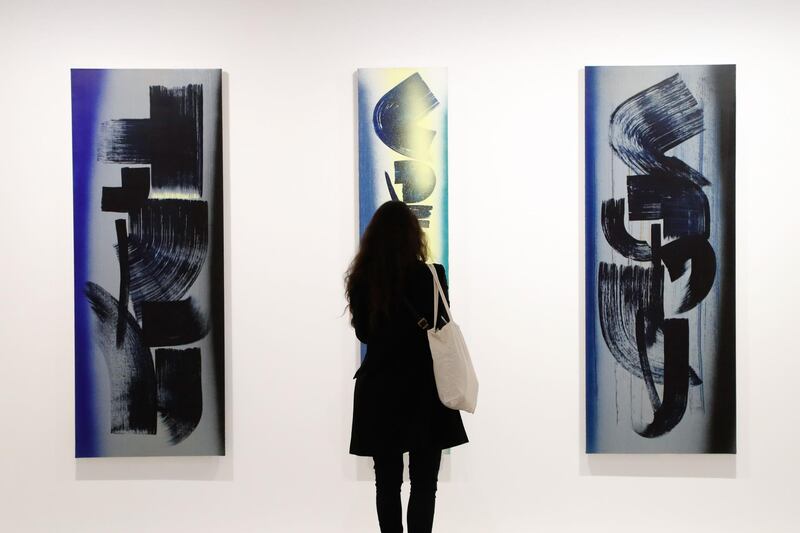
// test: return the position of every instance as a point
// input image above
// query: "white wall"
(516, 171)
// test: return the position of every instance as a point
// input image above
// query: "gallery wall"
(516, 263)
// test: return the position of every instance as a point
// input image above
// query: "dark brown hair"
(392, 242)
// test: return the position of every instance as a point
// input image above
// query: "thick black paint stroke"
(392, 192)
(644, 361)
(168, 243)
(125, 141)
(177, 137)
(133, 193)
(171, 140)
(676, 380)
(418, 179)
(612, 219)
(651, 122)
(180, 392)
(677, 254)
(421, 211)
(622, 292)
(681, 204)
(397, 114)
(124, 278)
(130, 367)
(172, 323)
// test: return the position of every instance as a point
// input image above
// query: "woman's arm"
(360, 315)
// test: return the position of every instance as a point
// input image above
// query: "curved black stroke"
(699, 251)
(167, 246)
(397, 114)
(622, 292)
(130, 366)
(649, 123)
(418, 179)
(676, 379)
(180, 391)
(612, 219)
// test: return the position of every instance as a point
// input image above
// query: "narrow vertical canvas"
(148, 241)
(660, 251)
(402, 147)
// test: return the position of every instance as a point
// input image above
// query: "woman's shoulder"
(421, 273)
(421, 267)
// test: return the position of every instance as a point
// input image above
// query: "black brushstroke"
(655, 245)
(392, 192)
(125, 141)
(170, 141)
(124, 278)
(644, 361)
(130, 367)
(612, 219)
(677, 254)
(177, 137)
(676, 381)
(180, 391)
(680, 203)
(622, 292)
(421, 211)
(172, 323)
(133, 193)
(651, 122)
(397, 114)
(418, 179)
(168, 243)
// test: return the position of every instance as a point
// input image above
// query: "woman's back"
(396, 406)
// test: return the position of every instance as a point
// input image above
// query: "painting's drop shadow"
(161, 468)
(660, 465)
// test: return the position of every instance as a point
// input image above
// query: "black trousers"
(423, 470)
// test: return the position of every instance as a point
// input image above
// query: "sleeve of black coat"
(360, 313)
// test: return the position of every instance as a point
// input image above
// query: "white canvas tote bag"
(456, 381)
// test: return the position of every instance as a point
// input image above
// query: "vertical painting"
(148, 239)
(660, 272)
(402, 147)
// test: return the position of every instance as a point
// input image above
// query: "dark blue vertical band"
(86, 93)
(591, 260)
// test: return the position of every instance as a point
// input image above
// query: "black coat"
(395, 404)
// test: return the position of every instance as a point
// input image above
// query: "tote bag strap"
(438, 291)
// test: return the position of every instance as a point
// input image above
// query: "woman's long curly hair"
(392, 242)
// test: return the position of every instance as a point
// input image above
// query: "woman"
(396, 408)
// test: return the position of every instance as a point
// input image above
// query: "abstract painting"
(402, 147)
(660, 252)
(148, 243)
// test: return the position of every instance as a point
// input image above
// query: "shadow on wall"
(660, 465)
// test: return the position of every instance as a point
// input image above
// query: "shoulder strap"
(421, 321)
(438, 291)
